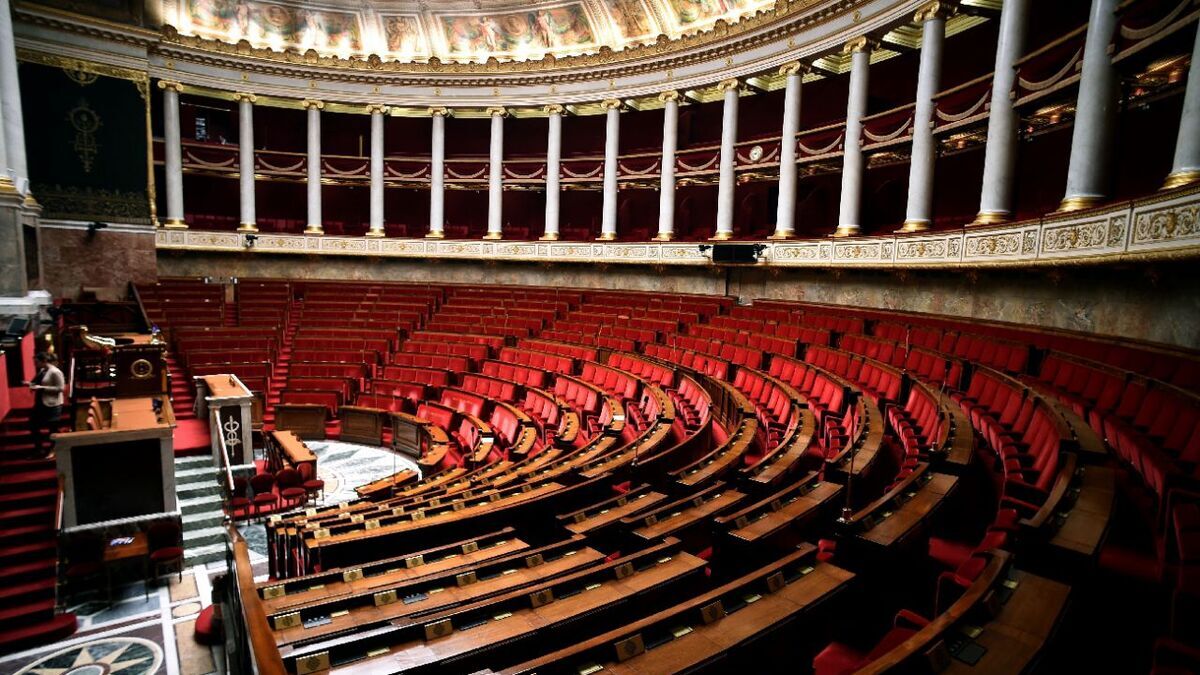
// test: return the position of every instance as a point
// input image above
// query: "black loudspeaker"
(744, 254)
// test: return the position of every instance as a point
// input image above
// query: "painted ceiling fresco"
(453, 30)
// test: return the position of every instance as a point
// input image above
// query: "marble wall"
(110, 258)
(1160, 303)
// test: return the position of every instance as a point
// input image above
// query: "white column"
(172, 155)
(496, 176)
(849, 211)
(437, 174)
(314, 167)
(666, 180)
(919, 215)
(246, 162)
(612, 145)
(1000, 159)
(1095, 113)
(375, 219)
(785, 216)
(1186, 168)
(10, 101)
(727, 180)
(553, 171)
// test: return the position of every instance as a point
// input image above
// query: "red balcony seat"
(476, 352)
(541, 360)
(384, 402)
(521, 375)
(428, 376)
(414, 392)
(490, 387)
(463, 401)
(435, 361)
(330, 399)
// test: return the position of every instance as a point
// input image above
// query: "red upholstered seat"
(209, 630)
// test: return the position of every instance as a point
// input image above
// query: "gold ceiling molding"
(72, 65)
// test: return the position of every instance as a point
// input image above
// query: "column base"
(847, 231)
(1181, 179)
(494, 236)
(174, 224)
(30, 202)
(314, 229)
(607, 236)
(664, 236)
(7, 186)
(248, 227)
(375, 234)
(990, 218)
(549, 236)
(1071, 204)
(721, 236)
(782, 234)
(435, 235)
(913, 226)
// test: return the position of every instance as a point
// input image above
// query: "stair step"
(31, 635)
(195, 475)
(197, 490)
(197, 462)
(193, 522)
(202, 504)
(27, 590)
(28, 479)
(27, 531)
(203, 536)
(29, 570)
(28, 609)
(204, 554)
(27, 513)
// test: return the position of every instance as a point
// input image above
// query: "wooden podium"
(227, 404)
(362, 425)
(124, 468)
(306, 419)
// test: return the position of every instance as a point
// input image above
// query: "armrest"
(911, 618)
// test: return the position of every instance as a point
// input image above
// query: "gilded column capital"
(793, 67)
(245, 96)
(861, 43)
(497, 111)
(438, 111)
(611, 104)
(670, 95)
(170, 84)
(309, 103)
(553, 109)
(726, 85)
(937, 9)
(378, 108)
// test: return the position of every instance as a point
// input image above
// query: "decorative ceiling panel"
(453, 30)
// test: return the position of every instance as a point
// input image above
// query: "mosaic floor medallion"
(123, 655)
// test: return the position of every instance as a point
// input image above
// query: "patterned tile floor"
(151, 631)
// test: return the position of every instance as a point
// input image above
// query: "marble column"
(1186, 168)
(495, 222)
(10, 101)
(12, 238)
(850, 208)
(612, 145)
(172, 155)
(553, 171)
(919, 214)
(785, 216)
(1095, 113)
(1000, 158)
(249, 222)
(666, 177)
(315, 221)
(375, 218)
(437, 174)
(727, 178)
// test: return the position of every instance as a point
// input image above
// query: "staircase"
(279, 374)
(198, 491)
(183, 399)
(28, 543)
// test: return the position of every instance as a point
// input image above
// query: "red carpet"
(191, 437)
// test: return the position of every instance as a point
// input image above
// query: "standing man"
(47, 387)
